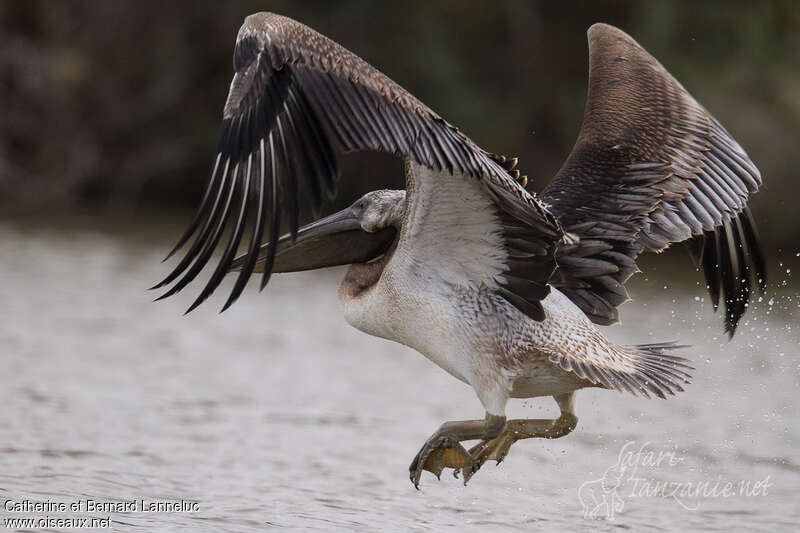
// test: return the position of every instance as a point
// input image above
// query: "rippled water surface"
(276, 413)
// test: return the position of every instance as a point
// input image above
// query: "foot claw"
(438, 452)
(502, 456)
(468, 473)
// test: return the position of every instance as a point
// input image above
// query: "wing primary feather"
(230, 249)
(201, 239)
(754, 248)
(223, 266)
(729, 273)
(323, 150)
(201, 212)
(305, 159)
(258, 229)
(745, 271)
(234, 145)
(291, 167)
(312, 150)
(711, 266)
(220, 218)
(273, 207)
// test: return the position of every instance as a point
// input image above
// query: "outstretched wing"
(296, 99)
(651, 167)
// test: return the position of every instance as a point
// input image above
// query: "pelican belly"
(476, 335)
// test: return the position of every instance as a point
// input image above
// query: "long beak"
(334, 240)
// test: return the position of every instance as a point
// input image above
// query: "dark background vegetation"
(112, 108)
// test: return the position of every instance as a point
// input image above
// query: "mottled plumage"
(500, 288)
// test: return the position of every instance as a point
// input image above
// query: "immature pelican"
(499, 287)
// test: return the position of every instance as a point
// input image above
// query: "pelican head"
(361, 234)
(379, 210)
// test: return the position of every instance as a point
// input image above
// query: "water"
(276, 413)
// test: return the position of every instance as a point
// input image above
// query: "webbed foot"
(444, 449)
(439, 452)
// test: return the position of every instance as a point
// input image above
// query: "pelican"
(502, 288)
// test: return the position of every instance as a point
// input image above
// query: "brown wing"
(651, 167)
(296, 99)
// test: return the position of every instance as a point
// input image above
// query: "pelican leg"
(523, 428)
(443, 449)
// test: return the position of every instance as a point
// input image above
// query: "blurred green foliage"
(115, 105)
